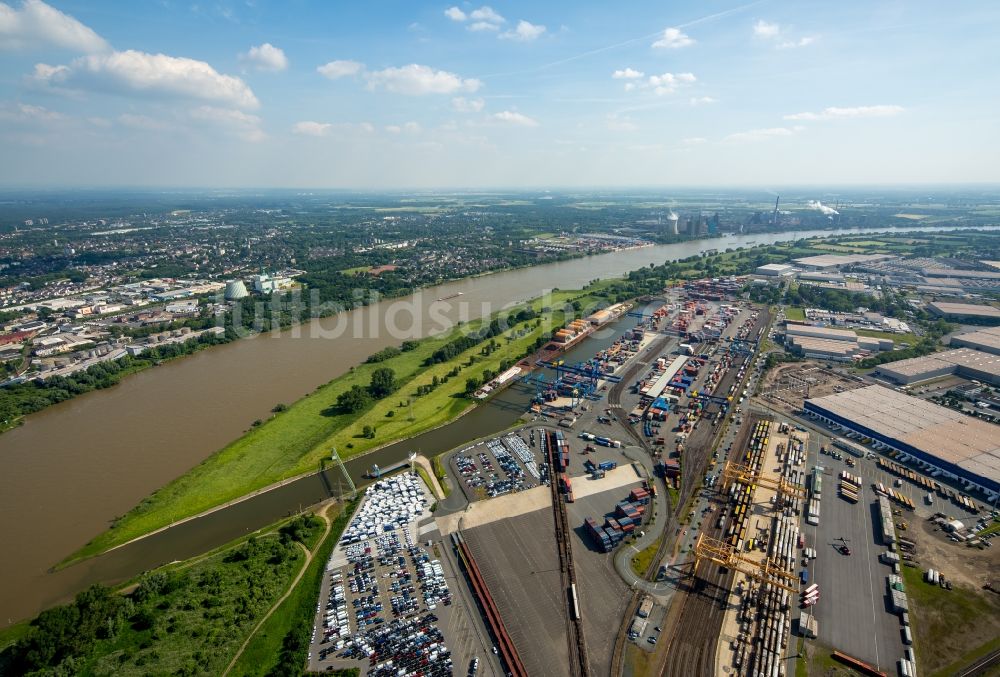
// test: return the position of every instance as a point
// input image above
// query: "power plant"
(236, 290)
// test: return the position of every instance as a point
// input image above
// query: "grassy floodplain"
(298, 440)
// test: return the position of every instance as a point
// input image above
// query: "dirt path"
(294, 584)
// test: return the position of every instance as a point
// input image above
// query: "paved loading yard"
(603, 595)
(520, 563)
(852, 612)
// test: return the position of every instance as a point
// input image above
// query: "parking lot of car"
(497, 467)
(383, 592)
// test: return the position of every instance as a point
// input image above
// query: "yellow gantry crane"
(735, 472)
(726, 555)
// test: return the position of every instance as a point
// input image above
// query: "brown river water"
(70, 469)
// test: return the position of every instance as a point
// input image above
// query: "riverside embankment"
(74, 467)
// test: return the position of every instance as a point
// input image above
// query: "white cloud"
(702, 100)
(463, 105)
(409, 128)
(515, 118)
(311, 128)
(483, 19)
(144, 122)
(673, 38)
(763, 134)
(627, 74)
(37, 24)
(835, 113)
(772, 31)
(766, 30)
(486, 13)
(265, 57)
(525, 32)
(25, 114)
(621, 124)
(340, 69)
(140, 73)
(669, 82)
(801, 42)
(417, 80)
(694, 140)
(233, 121)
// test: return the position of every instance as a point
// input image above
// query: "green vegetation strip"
(441, 475)
(298, 439)
(187, 618)
(286, 633)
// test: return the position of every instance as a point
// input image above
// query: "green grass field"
(950, 625)
(644, 557)
(299, 440)
(795, 314)
(910, 338)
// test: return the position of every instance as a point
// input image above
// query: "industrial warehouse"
(964, 447)
(963, 362)
(841, 345)
(987, 340)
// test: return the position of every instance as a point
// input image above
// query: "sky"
(424, 95)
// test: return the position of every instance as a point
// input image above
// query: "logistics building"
(960, 446)
(776, 270)
(834, 261)
(964, 362)
(842, 345)
(986, 340)
(964, 311)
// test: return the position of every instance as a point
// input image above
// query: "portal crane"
(735, 472)
(726, 555)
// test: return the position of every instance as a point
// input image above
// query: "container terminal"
(754, 522)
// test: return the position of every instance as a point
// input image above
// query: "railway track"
(579, 659)
(703, 606)
(981, 666)
(693, 656)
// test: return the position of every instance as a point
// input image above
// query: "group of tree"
(358, 398)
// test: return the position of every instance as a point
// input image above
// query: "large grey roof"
(967, 442)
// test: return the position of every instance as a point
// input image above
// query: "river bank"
(298, 439)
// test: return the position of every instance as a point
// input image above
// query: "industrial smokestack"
(774, 219)
(672, 220)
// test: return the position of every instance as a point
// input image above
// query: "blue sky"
(536, 95)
